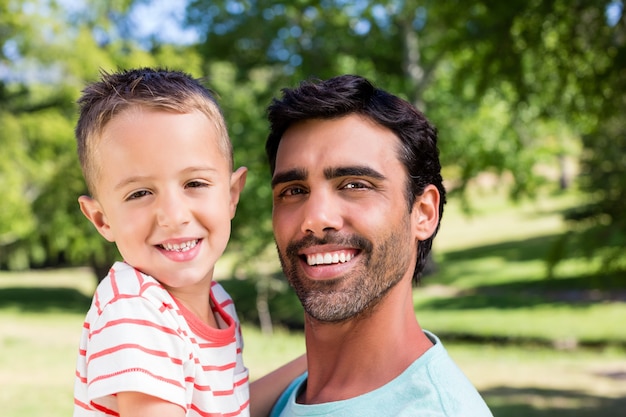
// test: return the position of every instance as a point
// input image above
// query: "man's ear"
(425, 215)
(93, 211)
(237, 182)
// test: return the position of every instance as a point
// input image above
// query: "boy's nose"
(172, 210)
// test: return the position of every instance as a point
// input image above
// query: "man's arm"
(265, 391)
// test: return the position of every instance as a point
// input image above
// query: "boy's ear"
(425, 215)
(93, 211)
(237, 182)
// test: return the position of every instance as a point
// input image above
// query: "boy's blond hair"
(156, 89)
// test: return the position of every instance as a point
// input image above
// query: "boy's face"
(165, 195)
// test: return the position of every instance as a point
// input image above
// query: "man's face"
(341, 222)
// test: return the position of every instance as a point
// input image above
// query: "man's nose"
(321, 213)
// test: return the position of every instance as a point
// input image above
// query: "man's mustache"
(330, 238)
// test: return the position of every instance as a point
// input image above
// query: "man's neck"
(358, 356)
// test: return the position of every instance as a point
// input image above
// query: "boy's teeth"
(328, 258)
(179, 247)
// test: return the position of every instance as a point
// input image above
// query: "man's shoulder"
(288, 395)
(433, 385)
(447, 385)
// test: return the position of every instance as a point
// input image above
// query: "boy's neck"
(200, 306)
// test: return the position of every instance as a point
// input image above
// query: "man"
(358, 197)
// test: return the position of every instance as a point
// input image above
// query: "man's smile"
(328, 258)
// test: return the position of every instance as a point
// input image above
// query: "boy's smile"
(165, 194)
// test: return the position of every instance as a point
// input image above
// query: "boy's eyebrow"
(296, 174)
(141, 178)
(129, 180)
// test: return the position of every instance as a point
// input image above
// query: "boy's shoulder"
(218, 292)
(123, 282)
(220, 297)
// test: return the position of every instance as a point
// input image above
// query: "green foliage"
(515, 88)
(14, 224)
(243, 104)
(40, 221)
(600, 223)
(36, 133)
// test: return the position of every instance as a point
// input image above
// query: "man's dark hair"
(350, 94)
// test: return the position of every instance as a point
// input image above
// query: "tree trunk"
(262, 307)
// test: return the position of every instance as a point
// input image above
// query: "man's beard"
(356, 294)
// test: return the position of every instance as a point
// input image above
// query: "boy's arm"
(265, 391)
(138, 404)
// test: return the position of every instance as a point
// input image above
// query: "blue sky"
(163, 18)
(160, 18)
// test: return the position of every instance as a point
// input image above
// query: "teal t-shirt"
(432, 386)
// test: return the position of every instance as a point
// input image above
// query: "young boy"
(161, 337)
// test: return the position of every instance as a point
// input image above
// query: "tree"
(410, 47)
(566, 60)
(511, 85)
(40, 221)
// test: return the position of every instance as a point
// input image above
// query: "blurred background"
(527, 284)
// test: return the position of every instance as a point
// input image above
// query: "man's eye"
(291, 191)
(138, 194)
(354, 185)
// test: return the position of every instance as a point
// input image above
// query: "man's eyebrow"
(352, 171)
(296, 174)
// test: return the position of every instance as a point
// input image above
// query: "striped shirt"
(137, 337)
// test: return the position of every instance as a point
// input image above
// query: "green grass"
(39, 353)
(37, 361)
(551, 325)
(41, 316)
(489, 287)
(539, 382)
(490, 280)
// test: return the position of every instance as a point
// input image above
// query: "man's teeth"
(328, 258)
(180, 247)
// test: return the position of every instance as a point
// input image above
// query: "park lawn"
(557, 325)
(512, 299)
(37, 362)
(39, 353)
(489, 287)
(490, 279)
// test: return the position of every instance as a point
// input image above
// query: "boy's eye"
(138, 194)
(196, 184)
